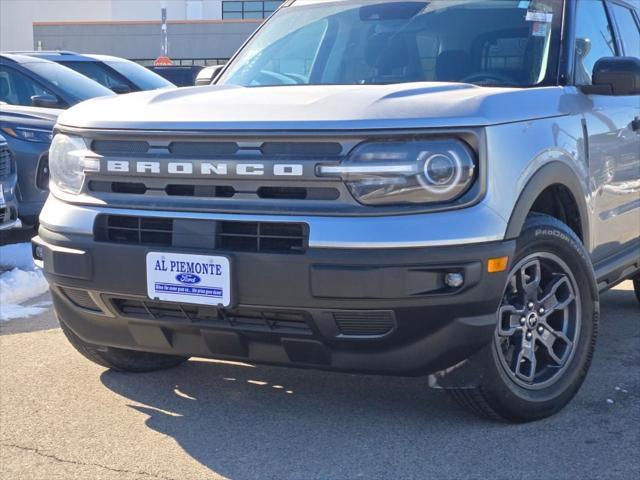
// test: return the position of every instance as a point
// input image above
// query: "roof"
(12, 57)
(58, 55)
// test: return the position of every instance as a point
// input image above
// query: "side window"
(17, 89)
(594, 38)
(628, 28)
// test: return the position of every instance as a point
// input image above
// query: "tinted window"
(96, 72)
(72, 83)
(594, 38)
(629, 32)
(17, 88)
(140, 76)
(486, 42)
(180, 76)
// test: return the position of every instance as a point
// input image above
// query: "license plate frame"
(188, 278)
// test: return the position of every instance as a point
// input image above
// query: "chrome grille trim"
(260, 174)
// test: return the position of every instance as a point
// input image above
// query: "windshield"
(72, 83)
(140, 76)
(484, 42)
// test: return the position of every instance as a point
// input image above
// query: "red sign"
(162, 60)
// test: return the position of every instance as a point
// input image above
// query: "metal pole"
(163, 34)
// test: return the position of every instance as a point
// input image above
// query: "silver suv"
(403, 187)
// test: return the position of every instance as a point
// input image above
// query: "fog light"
(38, 252)
(454, 280)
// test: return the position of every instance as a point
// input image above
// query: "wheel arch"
(555, 190)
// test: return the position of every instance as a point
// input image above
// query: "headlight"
(28, 134)
(413, 172)
(68, 163)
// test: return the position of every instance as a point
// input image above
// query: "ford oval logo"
(188, 278)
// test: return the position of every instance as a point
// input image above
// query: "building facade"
(199, 31)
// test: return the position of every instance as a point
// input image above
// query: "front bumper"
(378, 310)
(9, 204)
(28, 157)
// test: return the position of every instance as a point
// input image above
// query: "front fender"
(554, 173)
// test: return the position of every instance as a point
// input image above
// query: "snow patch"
(16, 255)
(22, 281)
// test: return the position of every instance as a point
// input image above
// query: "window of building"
(249, 9)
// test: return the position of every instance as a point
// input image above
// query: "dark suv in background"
(118, 74)
(33, 92)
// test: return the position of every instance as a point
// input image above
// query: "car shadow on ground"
(229, 416)
(245, 421)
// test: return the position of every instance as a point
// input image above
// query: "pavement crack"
(86, 464)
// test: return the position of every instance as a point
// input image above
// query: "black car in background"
(118, 74)
(179, 75)
(33, 92)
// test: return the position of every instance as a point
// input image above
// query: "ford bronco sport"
(432, 188)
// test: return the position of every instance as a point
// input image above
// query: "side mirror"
(120, 88)
(45, 101)
(208, 75)
(615, 76)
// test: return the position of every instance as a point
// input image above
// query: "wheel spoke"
(526, 362)
(509, 320)
(553, 341)
(530, 277)
(558, 295)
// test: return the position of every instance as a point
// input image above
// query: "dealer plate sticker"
(183, 278)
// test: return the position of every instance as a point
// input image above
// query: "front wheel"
(636, 287)
(546, 328)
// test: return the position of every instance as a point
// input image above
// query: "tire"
(119, 359)
(540, 356)
(636, 287)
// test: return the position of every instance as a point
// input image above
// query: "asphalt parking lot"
(62, 417)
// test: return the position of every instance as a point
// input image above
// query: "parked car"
(8, 180)
(34, 92)
(117, 74)
(387, 187)
(207, 75)
(180, 75)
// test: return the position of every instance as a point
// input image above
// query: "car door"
(613, 144)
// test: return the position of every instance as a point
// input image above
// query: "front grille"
(8, 214)
(259, 237)
(119, 146)
(135, 230)
(364, 323)
(216, 191)
(235, 173)
(5, 161)
(80, 298)
(216, 148)
(244, 319)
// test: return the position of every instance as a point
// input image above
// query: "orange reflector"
(495, 265)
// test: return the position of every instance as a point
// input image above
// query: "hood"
(37, 117)
(327, 107)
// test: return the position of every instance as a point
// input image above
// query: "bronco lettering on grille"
(198, 168)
